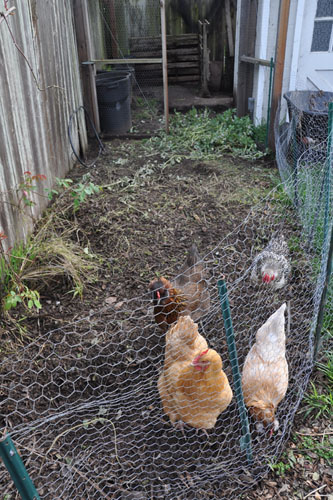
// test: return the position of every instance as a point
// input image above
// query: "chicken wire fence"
(81, 403)
(303, 154)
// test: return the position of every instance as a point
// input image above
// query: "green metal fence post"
(16, 469)
(245, 441)
(327, 228)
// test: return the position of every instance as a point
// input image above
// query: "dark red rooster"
(187, 294)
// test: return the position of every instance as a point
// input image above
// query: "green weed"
(259, 133)
(322, 448)
(79, 192)
(319, 404)
(202, 135)
(287, 462)
(144, 109)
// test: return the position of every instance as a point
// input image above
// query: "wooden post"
(164, 66)
(84, 47)
(113, 29)
(279, 65)
(229, 28)
(246, 27)
(204, 56)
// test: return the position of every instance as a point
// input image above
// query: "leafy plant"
(144, 109)
(16, 292)
(202, 135)
(62, 183)
(259, 133)
(322, 448)
(288, 461)
(81, 191)
(30, 298)
(28, 186)
(38, 263)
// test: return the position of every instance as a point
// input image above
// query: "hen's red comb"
(197, 358)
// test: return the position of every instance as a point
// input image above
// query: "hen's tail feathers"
(193, 268)
(276, 320)
(185, 327)
(193, 256)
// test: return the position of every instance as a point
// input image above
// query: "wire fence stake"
(245, 441)
(16, 469)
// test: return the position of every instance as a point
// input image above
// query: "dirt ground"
(140, 225)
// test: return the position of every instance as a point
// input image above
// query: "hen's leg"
(202, 430)
(179, 426)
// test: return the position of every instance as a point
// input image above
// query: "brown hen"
(186, 295)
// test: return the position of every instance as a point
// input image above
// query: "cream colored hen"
(265, 372)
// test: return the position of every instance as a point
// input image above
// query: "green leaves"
(81, 191)
(201, 135)
(11, 300)
(29, 298)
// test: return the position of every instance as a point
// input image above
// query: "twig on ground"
(86, 424)
(315, 491)
(326, 433)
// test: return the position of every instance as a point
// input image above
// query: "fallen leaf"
(119, 304)
(111, 300)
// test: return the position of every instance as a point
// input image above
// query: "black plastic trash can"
(311, 110)
(114, 101)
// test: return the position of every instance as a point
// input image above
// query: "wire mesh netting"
(303, 154)
(82, 402)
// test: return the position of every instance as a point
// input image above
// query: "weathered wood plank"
(182, 53)
(172, 68)
(35, 107)
(175, 38)
(82, 27)
(179, 54)
(171, 52)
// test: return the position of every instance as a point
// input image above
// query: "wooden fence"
(39, 90)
